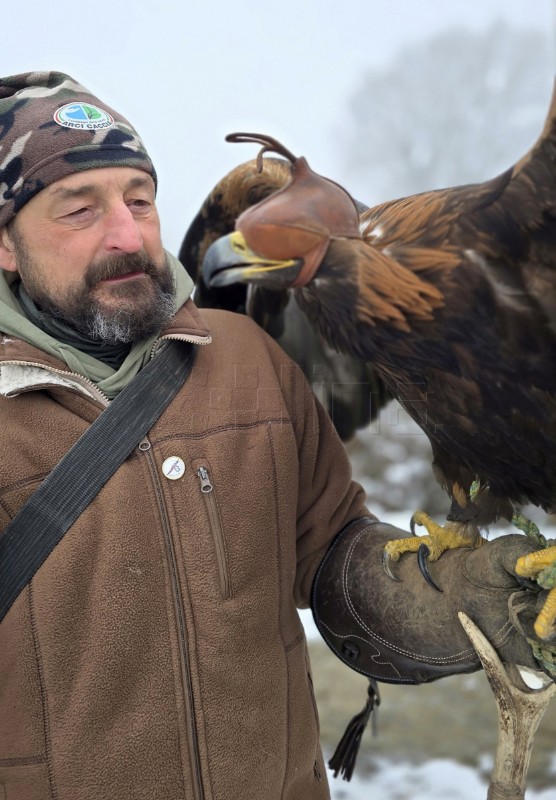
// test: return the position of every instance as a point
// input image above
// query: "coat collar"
(24, 367)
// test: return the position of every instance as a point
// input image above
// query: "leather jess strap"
(66, 492)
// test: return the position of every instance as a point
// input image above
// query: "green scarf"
(14, 322)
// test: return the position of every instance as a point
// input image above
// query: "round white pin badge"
(173, 468)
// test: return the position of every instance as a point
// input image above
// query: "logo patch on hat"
(83, 116)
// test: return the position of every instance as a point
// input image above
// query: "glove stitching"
(373, 657)
(361, 670)
(460, 656)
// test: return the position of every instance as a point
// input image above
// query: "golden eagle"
(449, 294)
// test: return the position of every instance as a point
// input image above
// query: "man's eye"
(139, 204)
(78, 212)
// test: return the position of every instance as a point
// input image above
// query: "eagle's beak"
(230, 260)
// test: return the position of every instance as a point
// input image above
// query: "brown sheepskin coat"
(158, 654)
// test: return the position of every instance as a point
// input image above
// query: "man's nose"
(122, 231)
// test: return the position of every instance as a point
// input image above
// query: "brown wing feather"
(454, 293)
(451, 295)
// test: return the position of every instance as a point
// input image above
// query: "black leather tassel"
(345, 755)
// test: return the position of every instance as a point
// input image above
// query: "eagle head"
(281, 241)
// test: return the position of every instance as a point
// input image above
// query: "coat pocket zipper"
(215, 524)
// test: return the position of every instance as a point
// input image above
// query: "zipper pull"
(206, 485)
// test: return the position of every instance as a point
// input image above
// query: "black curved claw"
(412, 525)
(386, 567)
(422, 559)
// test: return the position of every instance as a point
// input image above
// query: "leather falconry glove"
(407, 632)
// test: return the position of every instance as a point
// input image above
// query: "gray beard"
(145, 308)
(125, 328)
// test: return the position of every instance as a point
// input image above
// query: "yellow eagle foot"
(451, 536)
(541, 567)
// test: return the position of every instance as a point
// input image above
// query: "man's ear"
(7, 251)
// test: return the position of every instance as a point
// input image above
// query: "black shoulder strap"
(66, 492)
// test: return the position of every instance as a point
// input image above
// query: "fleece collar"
(25, 366)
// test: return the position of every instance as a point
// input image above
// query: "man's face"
(88, 251)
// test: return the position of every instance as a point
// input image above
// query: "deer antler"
(520, 709)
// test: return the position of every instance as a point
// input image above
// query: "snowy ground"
(435, 780)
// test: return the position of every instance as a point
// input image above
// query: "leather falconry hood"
(299, 220)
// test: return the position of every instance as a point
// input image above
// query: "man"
(157, 652)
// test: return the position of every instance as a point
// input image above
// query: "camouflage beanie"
(50, 127)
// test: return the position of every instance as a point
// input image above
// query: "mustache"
(116, 266)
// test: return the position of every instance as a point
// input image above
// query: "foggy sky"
(186, 73)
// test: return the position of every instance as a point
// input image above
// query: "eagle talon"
(386, 560)
(422, 560)
(540, 565)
